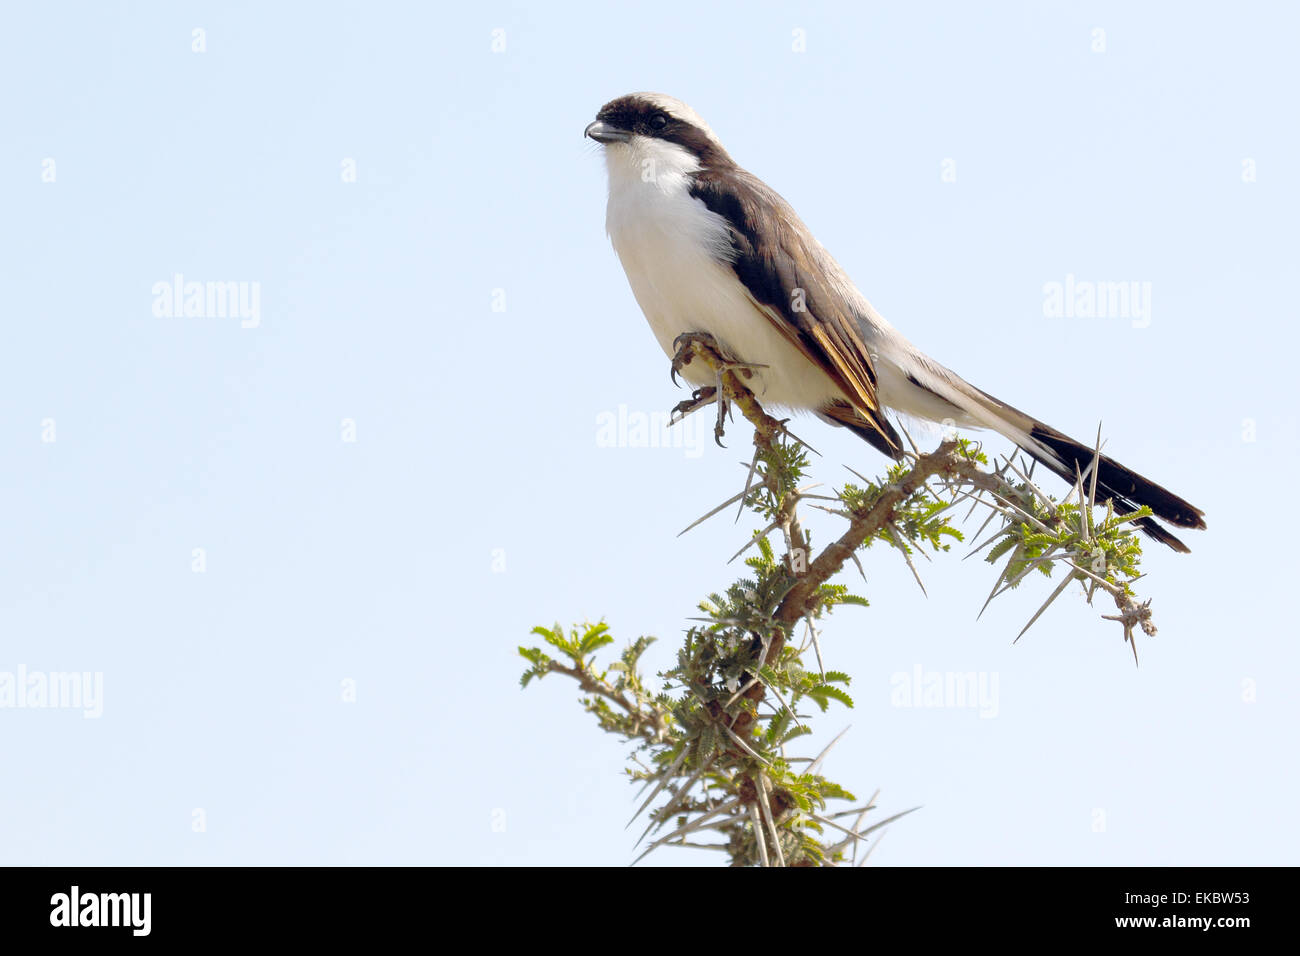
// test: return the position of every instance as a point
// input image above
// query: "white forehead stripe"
(670, 104)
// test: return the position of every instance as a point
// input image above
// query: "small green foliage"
(580, 644)
(971, 451)
(781, 470)
(823, 694)
(919, 519)
(1109, 549)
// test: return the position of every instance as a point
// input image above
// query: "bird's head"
(651, 129)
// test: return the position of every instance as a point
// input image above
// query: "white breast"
(676, 253)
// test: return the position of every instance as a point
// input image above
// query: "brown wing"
(781, 266)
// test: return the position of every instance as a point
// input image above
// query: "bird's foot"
(700, 398)
(702, 345)
(684, 349)
(690, 344)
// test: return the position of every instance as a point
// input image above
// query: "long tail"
(1125, 487)
(1060, 453)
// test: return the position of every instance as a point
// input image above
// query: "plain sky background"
(476, 500)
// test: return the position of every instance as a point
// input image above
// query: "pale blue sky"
(373, 560)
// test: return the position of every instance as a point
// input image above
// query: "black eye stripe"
(640, 117)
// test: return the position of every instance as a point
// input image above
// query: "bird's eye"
(659, 121)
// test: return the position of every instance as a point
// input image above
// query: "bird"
(708, 247)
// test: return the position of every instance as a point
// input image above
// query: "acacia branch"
(645, 724)
(802, 598)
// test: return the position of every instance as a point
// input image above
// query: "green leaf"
(824, 693)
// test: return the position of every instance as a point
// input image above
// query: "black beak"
(604, 133)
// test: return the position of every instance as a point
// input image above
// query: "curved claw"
(699, 399)
(681, 357)
(686, 338)
(724, 406)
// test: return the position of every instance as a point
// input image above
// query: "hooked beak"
(604, 133)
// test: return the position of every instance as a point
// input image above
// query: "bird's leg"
(687, 346)
(690, 345)
(724, 406)
(702, 398)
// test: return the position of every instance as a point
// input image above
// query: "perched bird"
(708, 247)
